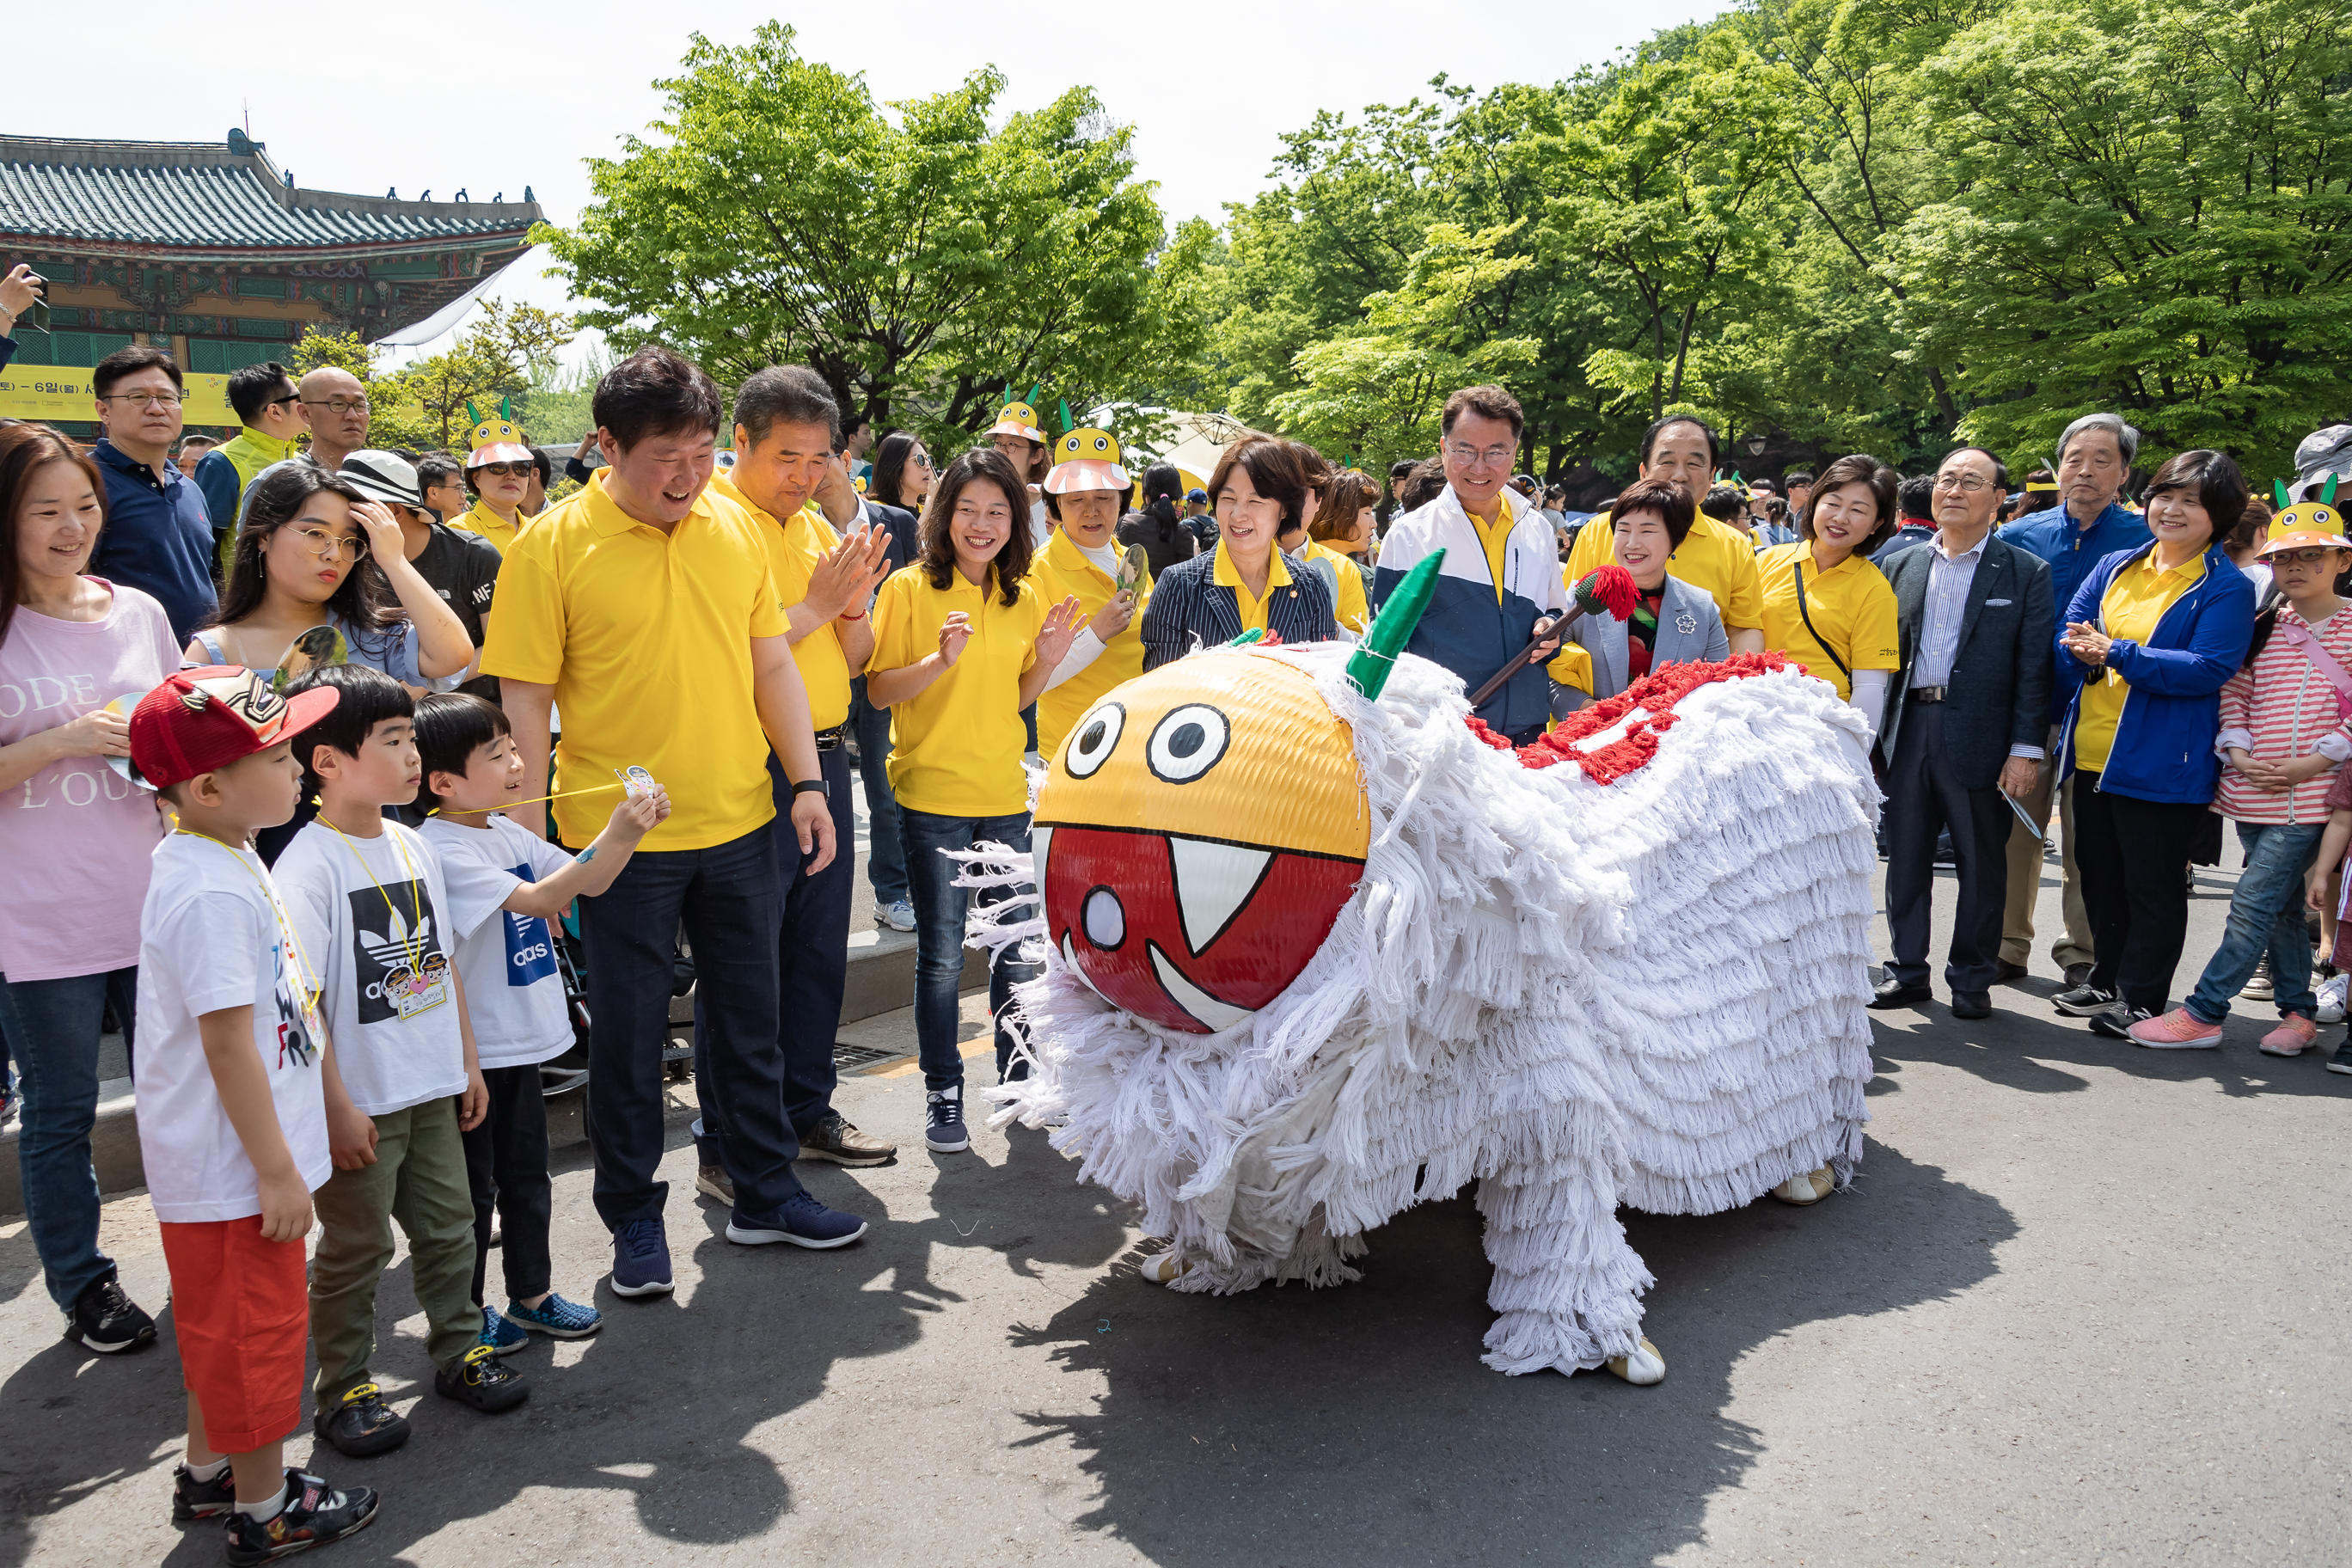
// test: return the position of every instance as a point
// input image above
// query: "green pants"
(418, 1179)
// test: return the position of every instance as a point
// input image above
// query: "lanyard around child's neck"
(309, 998)
(412, 940)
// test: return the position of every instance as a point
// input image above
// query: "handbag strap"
(1798, 565)
(2301, 637)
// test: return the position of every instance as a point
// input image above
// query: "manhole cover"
(848, 1056)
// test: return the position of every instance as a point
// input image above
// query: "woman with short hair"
(1672, 623)
(1260, 491)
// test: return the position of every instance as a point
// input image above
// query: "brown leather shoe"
(834, 1139)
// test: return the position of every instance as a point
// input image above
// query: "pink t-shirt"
(78, 837)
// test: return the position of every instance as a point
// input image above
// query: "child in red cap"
(230, 1085)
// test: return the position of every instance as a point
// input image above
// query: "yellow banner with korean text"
(48, 391)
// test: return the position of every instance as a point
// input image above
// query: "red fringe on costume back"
(1656, 695)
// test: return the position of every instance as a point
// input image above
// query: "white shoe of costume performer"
(1313, 957)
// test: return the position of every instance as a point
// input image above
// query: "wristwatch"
(817, 787)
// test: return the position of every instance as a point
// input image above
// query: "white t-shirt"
(368, 911)
(514, 992)
(210, 937)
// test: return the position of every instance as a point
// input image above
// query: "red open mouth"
(1191, 933)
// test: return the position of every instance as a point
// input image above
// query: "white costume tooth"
(1213, 882)
(1039, 838)
(1218, 1016)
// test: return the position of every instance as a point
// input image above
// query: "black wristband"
(818, 786)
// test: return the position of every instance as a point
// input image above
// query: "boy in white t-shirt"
(370, 907)
(232, 1084)
(505, 885)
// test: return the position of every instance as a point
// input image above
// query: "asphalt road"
(2080, 1308)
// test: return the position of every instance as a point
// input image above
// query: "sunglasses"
(509, 470)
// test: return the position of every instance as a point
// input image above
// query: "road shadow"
(1285, 1427)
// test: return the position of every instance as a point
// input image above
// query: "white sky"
(364, 98)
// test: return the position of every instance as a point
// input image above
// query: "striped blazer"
(1188, 610)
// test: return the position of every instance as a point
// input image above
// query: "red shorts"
(241, 1311)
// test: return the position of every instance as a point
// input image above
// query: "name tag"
(412, 992)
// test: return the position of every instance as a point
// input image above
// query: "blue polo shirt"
(2074, 553)
(158, 538)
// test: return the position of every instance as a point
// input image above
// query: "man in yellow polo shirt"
(646, 607)
(1716, 556)
(784, 428)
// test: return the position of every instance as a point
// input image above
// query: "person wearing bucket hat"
(2286, 729)
(500, 468)
(76, 841)
(462, 567)
(1085, 488)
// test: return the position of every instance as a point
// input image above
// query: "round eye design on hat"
(1102, 443)
(1092, 741)
(1188, 742)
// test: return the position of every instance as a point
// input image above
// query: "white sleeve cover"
(1870, 696)
(1085, 648)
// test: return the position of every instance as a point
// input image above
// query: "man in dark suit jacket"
(1965, 734)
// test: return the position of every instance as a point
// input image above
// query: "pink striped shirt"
(2279, 707)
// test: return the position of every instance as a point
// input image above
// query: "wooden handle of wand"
(1558, 628)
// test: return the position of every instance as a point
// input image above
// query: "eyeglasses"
(1967, 484)
(145, 399)
(2302, 557)
(921, 460)
(282, 402)
(1468, 456)
(327, 547)
(340, 405)
(509, 470)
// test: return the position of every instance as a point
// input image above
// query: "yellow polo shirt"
(1354, 611)
(1225, 575)
(1495, 539)
(2134, 601)
(646, 637)
(1852, 607)
(793, 550)
(955, 749)
(1715, 556)
(481, 519)
(1060, 570)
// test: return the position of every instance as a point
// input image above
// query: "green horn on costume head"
(1035, 388)
(474, 417)
(506, 409)
(1247, 637)
(1369, 665)
(2327, 495)
(2278, 488)
(1066, 426)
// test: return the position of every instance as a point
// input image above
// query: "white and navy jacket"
(1466, 629)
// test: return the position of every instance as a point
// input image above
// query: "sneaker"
(192, 1499)
(480, 1379)
(836, 1139)
(2258, 984)
(315, 1513)
(2294, 1035)
(943, 1123)
(898, 914)
(641, 1260)
(556, 1318)
(713, 1182)
(2331, 999)
(500, 1334)
(107, 1321)
(802, 1221)
(2116, 1023)
(361, 1424)
(2342, 1060)
(2084, 1001)
(2179, 1030)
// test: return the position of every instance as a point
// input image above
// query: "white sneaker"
(899, 916)
(2331, 998)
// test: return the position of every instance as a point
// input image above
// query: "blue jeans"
(729, 898)
(53, 1028)
(2265, 917)
(886, 850)
(939, 907)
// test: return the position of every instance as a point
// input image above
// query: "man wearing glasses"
(338, 409)
(158, 536)
(1502, 568)
(1715, 556)
(1964, 736)
(266, 403)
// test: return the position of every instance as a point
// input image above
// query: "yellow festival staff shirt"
(794, 548)
(1225, 575)
(1852, 607)
(1353, 611)
(481, 519)
(2134, 601)
(955, 750)
(1715, 556)
(647, 638)
(1060, 570)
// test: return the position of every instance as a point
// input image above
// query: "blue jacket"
(2072, 553)
(2163, 749)
(1468, 628)
(158, 538)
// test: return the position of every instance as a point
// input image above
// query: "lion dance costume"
(1317, 948)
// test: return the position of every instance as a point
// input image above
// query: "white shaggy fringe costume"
(1580, 996)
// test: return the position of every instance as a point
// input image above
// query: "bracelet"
(811, 787)
(846, 615)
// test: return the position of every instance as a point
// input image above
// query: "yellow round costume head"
(1017, 419)
(1087, 459)
(496, 438)
(2304, 523)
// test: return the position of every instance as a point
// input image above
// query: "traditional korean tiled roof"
(210, 197)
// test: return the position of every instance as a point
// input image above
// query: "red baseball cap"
(199, 720)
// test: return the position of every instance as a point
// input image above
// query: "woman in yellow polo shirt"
(962, 642)
(1825, 606)
(1082, 560)
(1260, 489)
(1340, 532)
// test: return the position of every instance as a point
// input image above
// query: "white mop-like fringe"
(1573, 995)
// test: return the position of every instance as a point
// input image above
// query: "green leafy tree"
(500, 353)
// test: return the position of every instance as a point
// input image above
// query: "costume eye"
(1091, 741)
(1188, 742)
